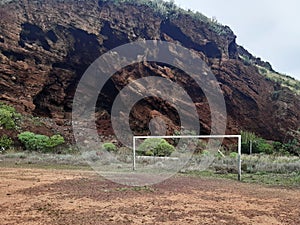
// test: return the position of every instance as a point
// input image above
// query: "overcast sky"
(267, 29)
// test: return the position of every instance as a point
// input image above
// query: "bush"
(155, 147)
(149, 153)
(261, 146)
(40, 142)
(277, 146)
(5, 142)
(55, 140)
(110, 147)
(233, 155)
(8, 116)
(248, 137)
(292, 146)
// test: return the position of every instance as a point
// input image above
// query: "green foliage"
(248, 136)
(247, 61)
(219, 155)
(233, 155)
(293, 147)
(205, 153)
(55, 140)
(164, 149)
(277, 147)
(8, 117)
(263, 70)
(39, 142)
(110, 147)
(259, 145)
(149, 153)
(5, 142)
(281, 79)
(155, 147)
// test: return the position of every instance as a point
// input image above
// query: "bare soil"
(39, 196)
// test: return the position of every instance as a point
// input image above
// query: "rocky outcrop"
(45, 47)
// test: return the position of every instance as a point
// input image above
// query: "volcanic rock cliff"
(46, 46)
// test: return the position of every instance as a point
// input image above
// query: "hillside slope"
(45, 47)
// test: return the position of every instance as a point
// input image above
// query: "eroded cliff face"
(46, 46)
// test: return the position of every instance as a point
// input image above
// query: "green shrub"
(219, 155)
(39, 142)
(164, 149)
(110, 147)
(277, 146)
(292, 146)
(248, 137)
(5, 142)
(234, 155)
(55, 140)
(261, 146)
(155, 147)
(149, 153)
(205, 153)
(280, 149)
(8, 116)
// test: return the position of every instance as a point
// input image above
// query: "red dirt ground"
(37, 196)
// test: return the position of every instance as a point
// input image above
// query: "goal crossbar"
(239, 137)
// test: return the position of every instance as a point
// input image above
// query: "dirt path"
(35, 196)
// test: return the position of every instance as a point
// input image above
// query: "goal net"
(143, 153)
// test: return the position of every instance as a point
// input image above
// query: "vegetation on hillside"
(8, 117)
(39, 142)
(11, 122)
(257, 145)
(168, 10)
(5, 142)
(281, 79)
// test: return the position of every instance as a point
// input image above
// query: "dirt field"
(37, 196)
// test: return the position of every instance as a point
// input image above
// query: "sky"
(267, 29)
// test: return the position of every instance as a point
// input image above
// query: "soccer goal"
(238, 137)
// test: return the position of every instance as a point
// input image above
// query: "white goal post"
(239, 137)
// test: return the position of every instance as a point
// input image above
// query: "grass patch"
(15, 159)
(259, 169)
(136, 189)
(273, 179)
(47, 166)
(269, 179)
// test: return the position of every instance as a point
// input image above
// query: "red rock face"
(45, 47)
